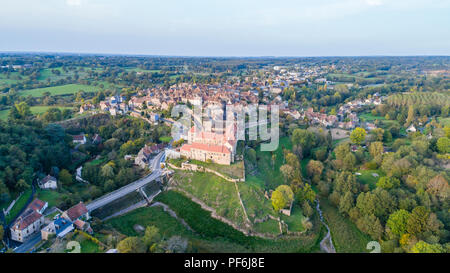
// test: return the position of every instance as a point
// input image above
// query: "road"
(28, 245)
(108, 198)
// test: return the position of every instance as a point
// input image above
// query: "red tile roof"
(28, 217)
(76, 211)
(36, 205)
(206, 147)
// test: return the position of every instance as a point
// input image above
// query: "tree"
(151, 235)
(308, 211)
(378, 133)
(288, 172)
(423, 247)
(306, 193)
(305, 139)
(376, 148)
(371, 225)
(346, 203)
(388, 182)
(281, 197)
(107, 171)
(131, 245)
(341, 151)
(349, 161)
(443, 145)
(65, 177)
(315, 169)
(417, 222)
(358, 135)
(397, 222)
(438, 186)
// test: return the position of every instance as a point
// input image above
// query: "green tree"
(417, 221)
(288, 172)
(346, 203)
(423, 247)
(443, 145)
(281, 197)
(151, 235)
(397, 222)
(131, 245)
(306, 193)
(65, 177)
(376, 148)
(358, 135)
(388, 182)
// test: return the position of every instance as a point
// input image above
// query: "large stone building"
(29, 222)
(217, 147)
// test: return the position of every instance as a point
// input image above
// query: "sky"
(227, 27)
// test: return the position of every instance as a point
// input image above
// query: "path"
(172, 213)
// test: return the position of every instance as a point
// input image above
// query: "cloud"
(73, 3)
(374, 2)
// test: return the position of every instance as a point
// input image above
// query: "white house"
(48, 182)
(79, 139)
(411, 128)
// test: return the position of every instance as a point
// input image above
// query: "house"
(411, 129)
(79, 211)
(96, 139)
(83, 226)
(144, 155)
(86, 107)
(29, 222)
(60, 227)
(48, 182)
(81, 139)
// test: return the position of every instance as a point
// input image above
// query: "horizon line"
(214, 56)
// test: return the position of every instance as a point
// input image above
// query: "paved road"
(108, 198)
(29, 244)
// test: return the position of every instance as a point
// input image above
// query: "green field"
(214, 191)
(148, 216)
(60, 90)
(50, 196)
(347, 238)
(35, 110)
(366, 177)
(294, 221)
(235, 170)
(268, 176)
(18, 206)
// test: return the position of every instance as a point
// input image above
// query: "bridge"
(136, 185)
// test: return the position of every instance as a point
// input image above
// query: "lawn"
(18, 206)
(294, 221)
(268, 176)
(347, 238)
(369, 117)
(270, 226)
(59, 90)
(235, 170)
(148, 216)
(219, 232)
(50, 196)
(256, 204)
(366, 177)
(213, 191)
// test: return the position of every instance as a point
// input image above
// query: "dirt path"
(172, 213)
(326, 244)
